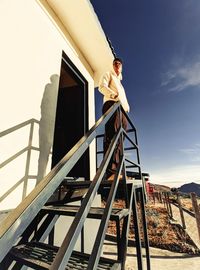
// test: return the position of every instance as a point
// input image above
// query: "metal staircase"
(27, 234)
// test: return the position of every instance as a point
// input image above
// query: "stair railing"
(17, 221)
(131, 136)
(133, 164)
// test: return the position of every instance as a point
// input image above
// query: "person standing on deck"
(113, 91)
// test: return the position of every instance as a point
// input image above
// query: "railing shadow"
(28, 149)
(45, 140)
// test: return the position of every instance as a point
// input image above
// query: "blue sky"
(159, 42)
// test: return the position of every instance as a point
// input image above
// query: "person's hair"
(118, 59)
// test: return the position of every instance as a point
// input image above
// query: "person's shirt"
(110, 86)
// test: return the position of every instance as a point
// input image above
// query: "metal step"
(40, 256)
(95, 212)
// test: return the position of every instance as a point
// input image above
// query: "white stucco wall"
(30, 53)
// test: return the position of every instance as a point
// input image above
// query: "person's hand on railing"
(114, 96)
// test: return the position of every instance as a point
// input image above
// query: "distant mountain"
(191, 187)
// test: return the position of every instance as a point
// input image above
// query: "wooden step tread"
(95, 212)
(40, 256)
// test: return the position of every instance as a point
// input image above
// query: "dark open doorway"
(71, 116)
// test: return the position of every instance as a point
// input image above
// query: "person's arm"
(123, 100)
(128, 109)
(104, 86)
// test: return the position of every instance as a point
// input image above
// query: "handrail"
(68, 243)
(66, 248)
(14, 225)
(11, 228)
(131, 162)
(128, 119)
(131, 141)
(134, 144)
(93, 261)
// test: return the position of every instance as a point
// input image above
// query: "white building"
(52, 54)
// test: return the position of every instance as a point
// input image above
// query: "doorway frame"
(76, 72)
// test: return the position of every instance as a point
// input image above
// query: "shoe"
(112, 177)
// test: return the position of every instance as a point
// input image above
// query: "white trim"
(95, 51)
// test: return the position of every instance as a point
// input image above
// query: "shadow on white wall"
(47, 123)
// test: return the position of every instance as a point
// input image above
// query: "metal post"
(96, 142)
(137, 233)
(145, 232)
(82, 240)
(125, 228)
(51, 236)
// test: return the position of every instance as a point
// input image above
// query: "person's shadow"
(47, 123)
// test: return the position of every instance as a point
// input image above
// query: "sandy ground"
(160, 259)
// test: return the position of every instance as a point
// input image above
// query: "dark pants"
(111, 128)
